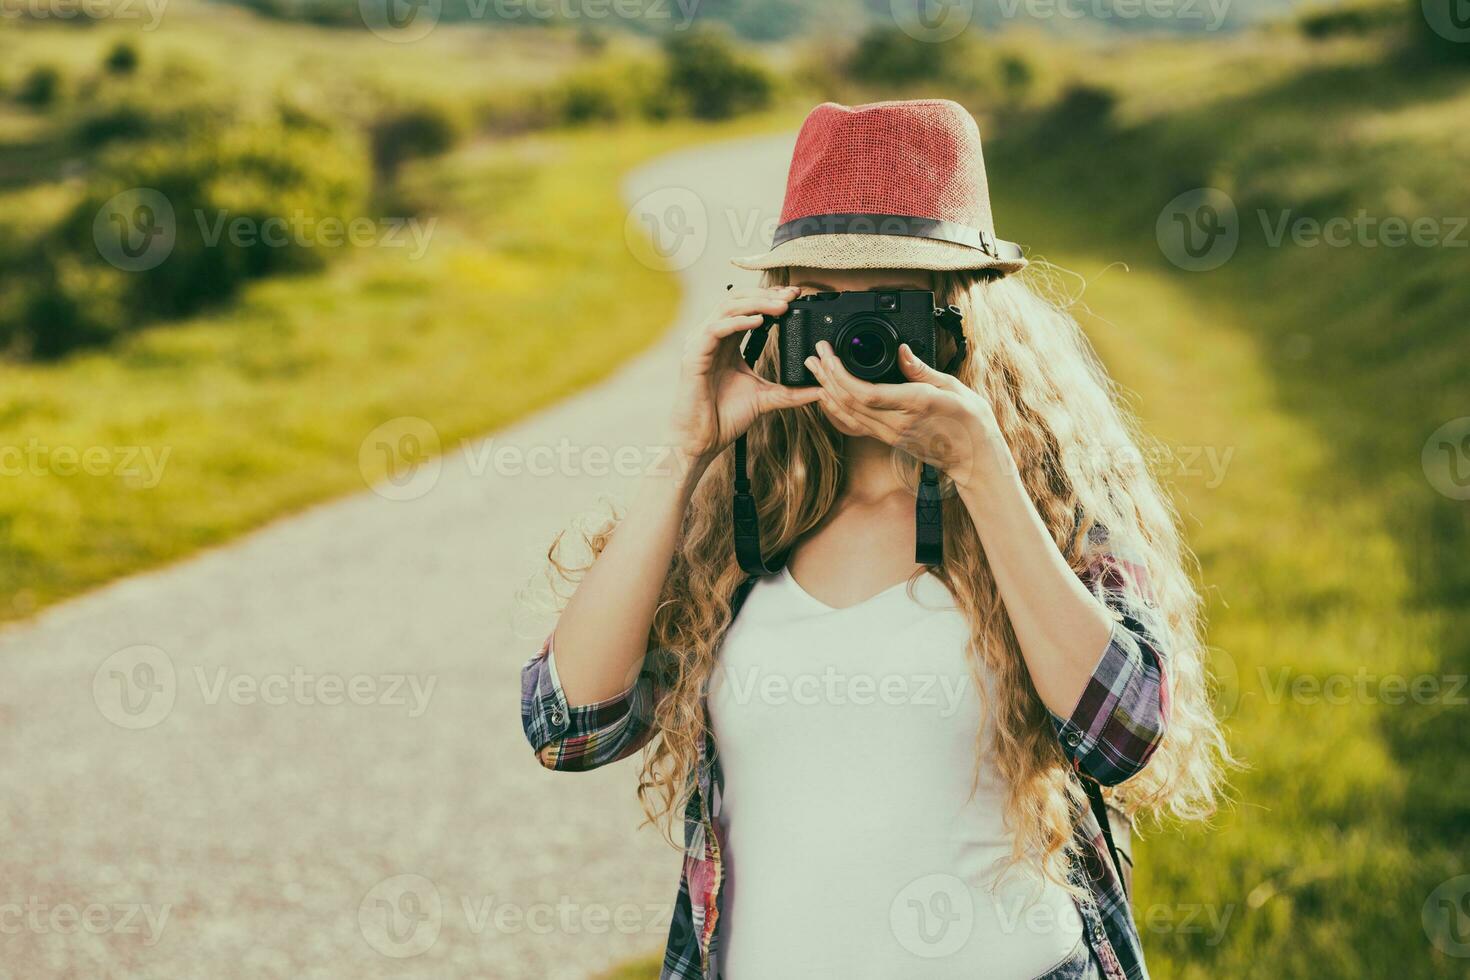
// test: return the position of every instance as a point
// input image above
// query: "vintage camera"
(864, 328)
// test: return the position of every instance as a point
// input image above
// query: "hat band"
(897, 224)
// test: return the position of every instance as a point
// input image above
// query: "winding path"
(300, 755)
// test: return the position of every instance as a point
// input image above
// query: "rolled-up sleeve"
(1123, 712)
(576, 739)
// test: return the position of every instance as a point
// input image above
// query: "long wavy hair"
(1077, 450)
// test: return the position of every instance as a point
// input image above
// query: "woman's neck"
(872, 470)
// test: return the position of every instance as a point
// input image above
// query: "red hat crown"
(920, 159)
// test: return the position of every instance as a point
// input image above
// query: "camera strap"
(747, 522)
(928, 509)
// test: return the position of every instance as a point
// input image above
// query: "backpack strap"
(1104, 815)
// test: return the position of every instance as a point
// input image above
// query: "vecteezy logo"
(1446, 916)
(135, 230)
(135, 687)
(1450, 19)
(401, 916)
(932, 20)
(400, 21)
(932, 916)
(1199, 229)
(399, 460)
(667, 229)
(1225, 673)
(939, 441)
(1446, 459)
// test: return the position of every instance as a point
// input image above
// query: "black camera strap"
(747, 521)
(928, 509)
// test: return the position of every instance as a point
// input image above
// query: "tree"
(707, 75)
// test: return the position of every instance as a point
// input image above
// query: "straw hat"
(890, 185)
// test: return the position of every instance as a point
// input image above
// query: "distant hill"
(773, 20)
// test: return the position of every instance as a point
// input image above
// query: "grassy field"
(182, 436)
(261, 52)
(260, 410)
(1292, 390)
(1335, 567)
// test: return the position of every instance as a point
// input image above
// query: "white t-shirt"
(853, 847)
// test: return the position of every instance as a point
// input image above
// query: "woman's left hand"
(935, 418)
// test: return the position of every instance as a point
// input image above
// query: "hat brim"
(876, 252)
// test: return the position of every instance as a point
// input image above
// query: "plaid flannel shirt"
(1109, 736)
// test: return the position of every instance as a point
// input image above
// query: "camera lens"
(865, 349)
(868, 346)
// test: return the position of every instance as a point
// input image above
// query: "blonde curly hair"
(1076, 448)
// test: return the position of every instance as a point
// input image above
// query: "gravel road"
(300, 755)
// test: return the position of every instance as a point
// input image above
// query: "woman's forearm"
(602, 634)
(1061, 627)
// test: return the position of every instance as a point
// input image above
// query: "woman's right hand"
(603, 633)
(719, 396)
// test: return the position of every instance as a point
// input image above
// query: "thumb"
(773, 397)
(916, 370)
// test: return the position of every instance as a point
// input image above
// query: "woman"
(887, 768)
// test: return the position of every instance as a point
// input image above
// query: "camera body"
(864, 328)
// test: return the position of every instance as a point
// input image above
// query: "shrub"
(419, 131)
(1083, 108)
(582, 99)
(1348, 19)
(228, 205)
(131, 110)
(590, 40)
(40, 88)
(1440, 32)
(888, 56)
(122, 59)
(1016, 75)
(707, 77)
(115, 123)
(609, 90)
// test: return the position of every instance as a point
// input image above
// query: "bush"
(1083, 108)
(131, 111)
(224, 207)
(708, 78)
(888, 56)
(611, 90)
(1440, 33)
(581, 101)
(122, 59)
(1016, 75)
(115, 123)
(420, 131)
(590, 40)
(40, 88)
(1348, 19)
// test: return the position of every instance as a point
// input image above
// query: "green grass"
(264, 54)
(1325, 549)
(635, 969)
(185, 434)
(261, 409)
